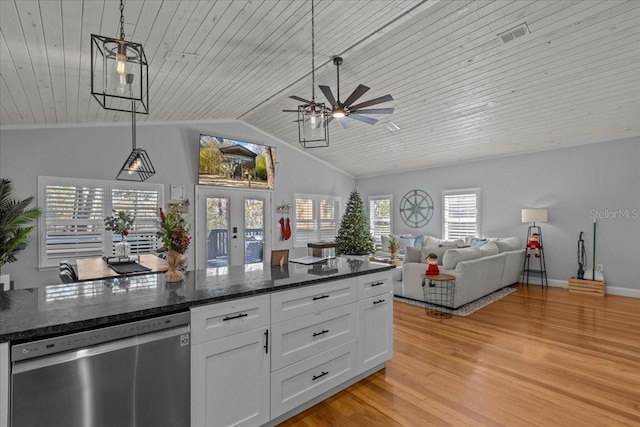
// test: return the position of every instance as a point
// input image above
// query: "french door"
(233, 227)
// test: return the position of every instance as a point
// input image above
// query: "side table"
(439, 290)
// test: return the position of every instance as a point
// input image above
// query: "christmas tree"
(353, 236)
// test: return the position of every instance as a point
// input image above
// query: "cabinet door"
(375, 331)
(230, 381)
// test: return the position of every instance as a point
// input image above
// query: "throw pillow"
(508, 244)
(439, 250)
(489, 248)
(477, 242)
(413, 254)
(406, 241)
(453, 256)
(430, 241)
(452, 243)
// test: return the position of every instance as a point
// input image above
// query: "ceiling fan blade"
(289, 111)
(344, 122)
(380, 100)
(329, 95)
(356, 94)
(297, 98)
(374, 111)
(363, 119)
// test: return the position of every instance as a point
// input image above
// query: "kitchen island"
(341, 295)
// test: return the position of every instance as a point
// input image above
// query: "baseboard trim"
(611, 290)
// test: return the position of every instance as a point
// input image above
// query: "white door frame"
(204, 191)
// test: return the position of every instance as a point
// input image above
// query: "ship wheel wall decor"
(416, 208)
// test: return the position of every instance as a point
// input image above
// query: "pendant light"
(313, 124)
(138, 166)
(112, 61)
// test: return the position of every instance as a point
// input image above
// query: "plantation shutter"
(316, 219)
(461, 213)
(73, 225)
(143, 205)
(305, 225)
(328, 220)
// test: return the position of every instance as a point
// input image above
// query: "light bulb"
(135, 165)
(338, 113)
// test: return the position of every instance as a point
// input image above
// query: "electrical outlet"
(599, 267)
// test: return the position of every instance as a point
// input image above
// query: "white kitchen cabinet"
(230, 380)
(375, 331)
(297, 339)
(300, 382)
(230, 363)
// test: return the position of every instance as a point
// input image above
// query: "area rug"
(463, 310)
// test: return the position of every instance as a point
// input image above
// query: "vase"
(175, 261)
(122, 248)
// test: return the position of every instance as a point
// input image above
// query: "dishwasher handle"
(69, 356)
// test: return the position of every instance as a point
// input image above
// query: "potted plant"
(174, 234)
(353, 236)
(394, 246)
(14, 216)
(120, 223)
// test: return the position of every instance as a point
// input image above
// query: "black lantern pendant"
(112, 60)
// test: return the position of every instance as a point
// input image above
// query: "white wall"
(97, 152)
(571, 182)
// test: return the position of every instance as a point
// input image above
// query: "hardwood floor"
(543, 357)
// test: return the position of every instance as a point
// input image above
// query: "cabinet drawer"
(374, 284)
(299, 302)
(302, 381)
(228, 318)
(297, 339)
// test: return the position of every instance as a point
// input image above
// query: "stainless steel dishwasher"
(133, 374)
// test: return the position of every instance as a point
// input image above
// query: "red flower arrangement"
(174, 231)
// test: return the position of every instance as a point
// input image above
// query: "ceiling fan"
(344, 110)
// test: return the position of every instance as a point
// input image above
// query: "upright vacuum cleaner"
(582, 257)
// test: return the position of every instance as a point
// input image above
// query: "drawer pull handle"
(377, 284)
(320, 297)
(235, 317)
(315, 377)
(379, 301)
(324, 331)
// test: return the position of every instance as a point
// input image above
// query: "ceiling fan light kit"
(345, 110)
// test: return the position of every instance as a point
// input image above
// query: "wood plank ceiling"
(460, 93)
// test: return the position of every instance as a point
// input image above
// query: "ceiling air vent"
(514, 33)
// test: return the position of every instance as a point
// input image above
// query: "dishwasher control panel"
(98, 336)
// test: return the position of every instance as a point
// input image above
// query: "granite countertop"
(29, 314)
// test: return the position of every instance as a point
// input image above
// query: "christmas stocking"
(287, 230)
(283, 229)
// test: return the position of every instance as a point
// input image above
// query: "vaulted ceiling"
(460, 92)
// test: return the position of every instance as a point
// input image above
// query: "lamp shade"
(534, 215)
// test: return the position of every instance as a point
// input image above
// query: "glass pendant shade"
(111, 61)
(313, 126)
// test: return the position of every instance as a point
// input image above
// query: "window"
(73, 211)
(380, 216)
(461, 213)
(315, 219)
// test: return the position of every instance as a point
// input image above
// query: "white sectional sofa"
(479, 271)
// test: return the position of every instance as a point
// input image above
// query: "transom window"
(315, 219)
(73, 210)
(460, 213)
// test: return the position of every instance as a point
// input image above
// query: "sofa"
(479, 268)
